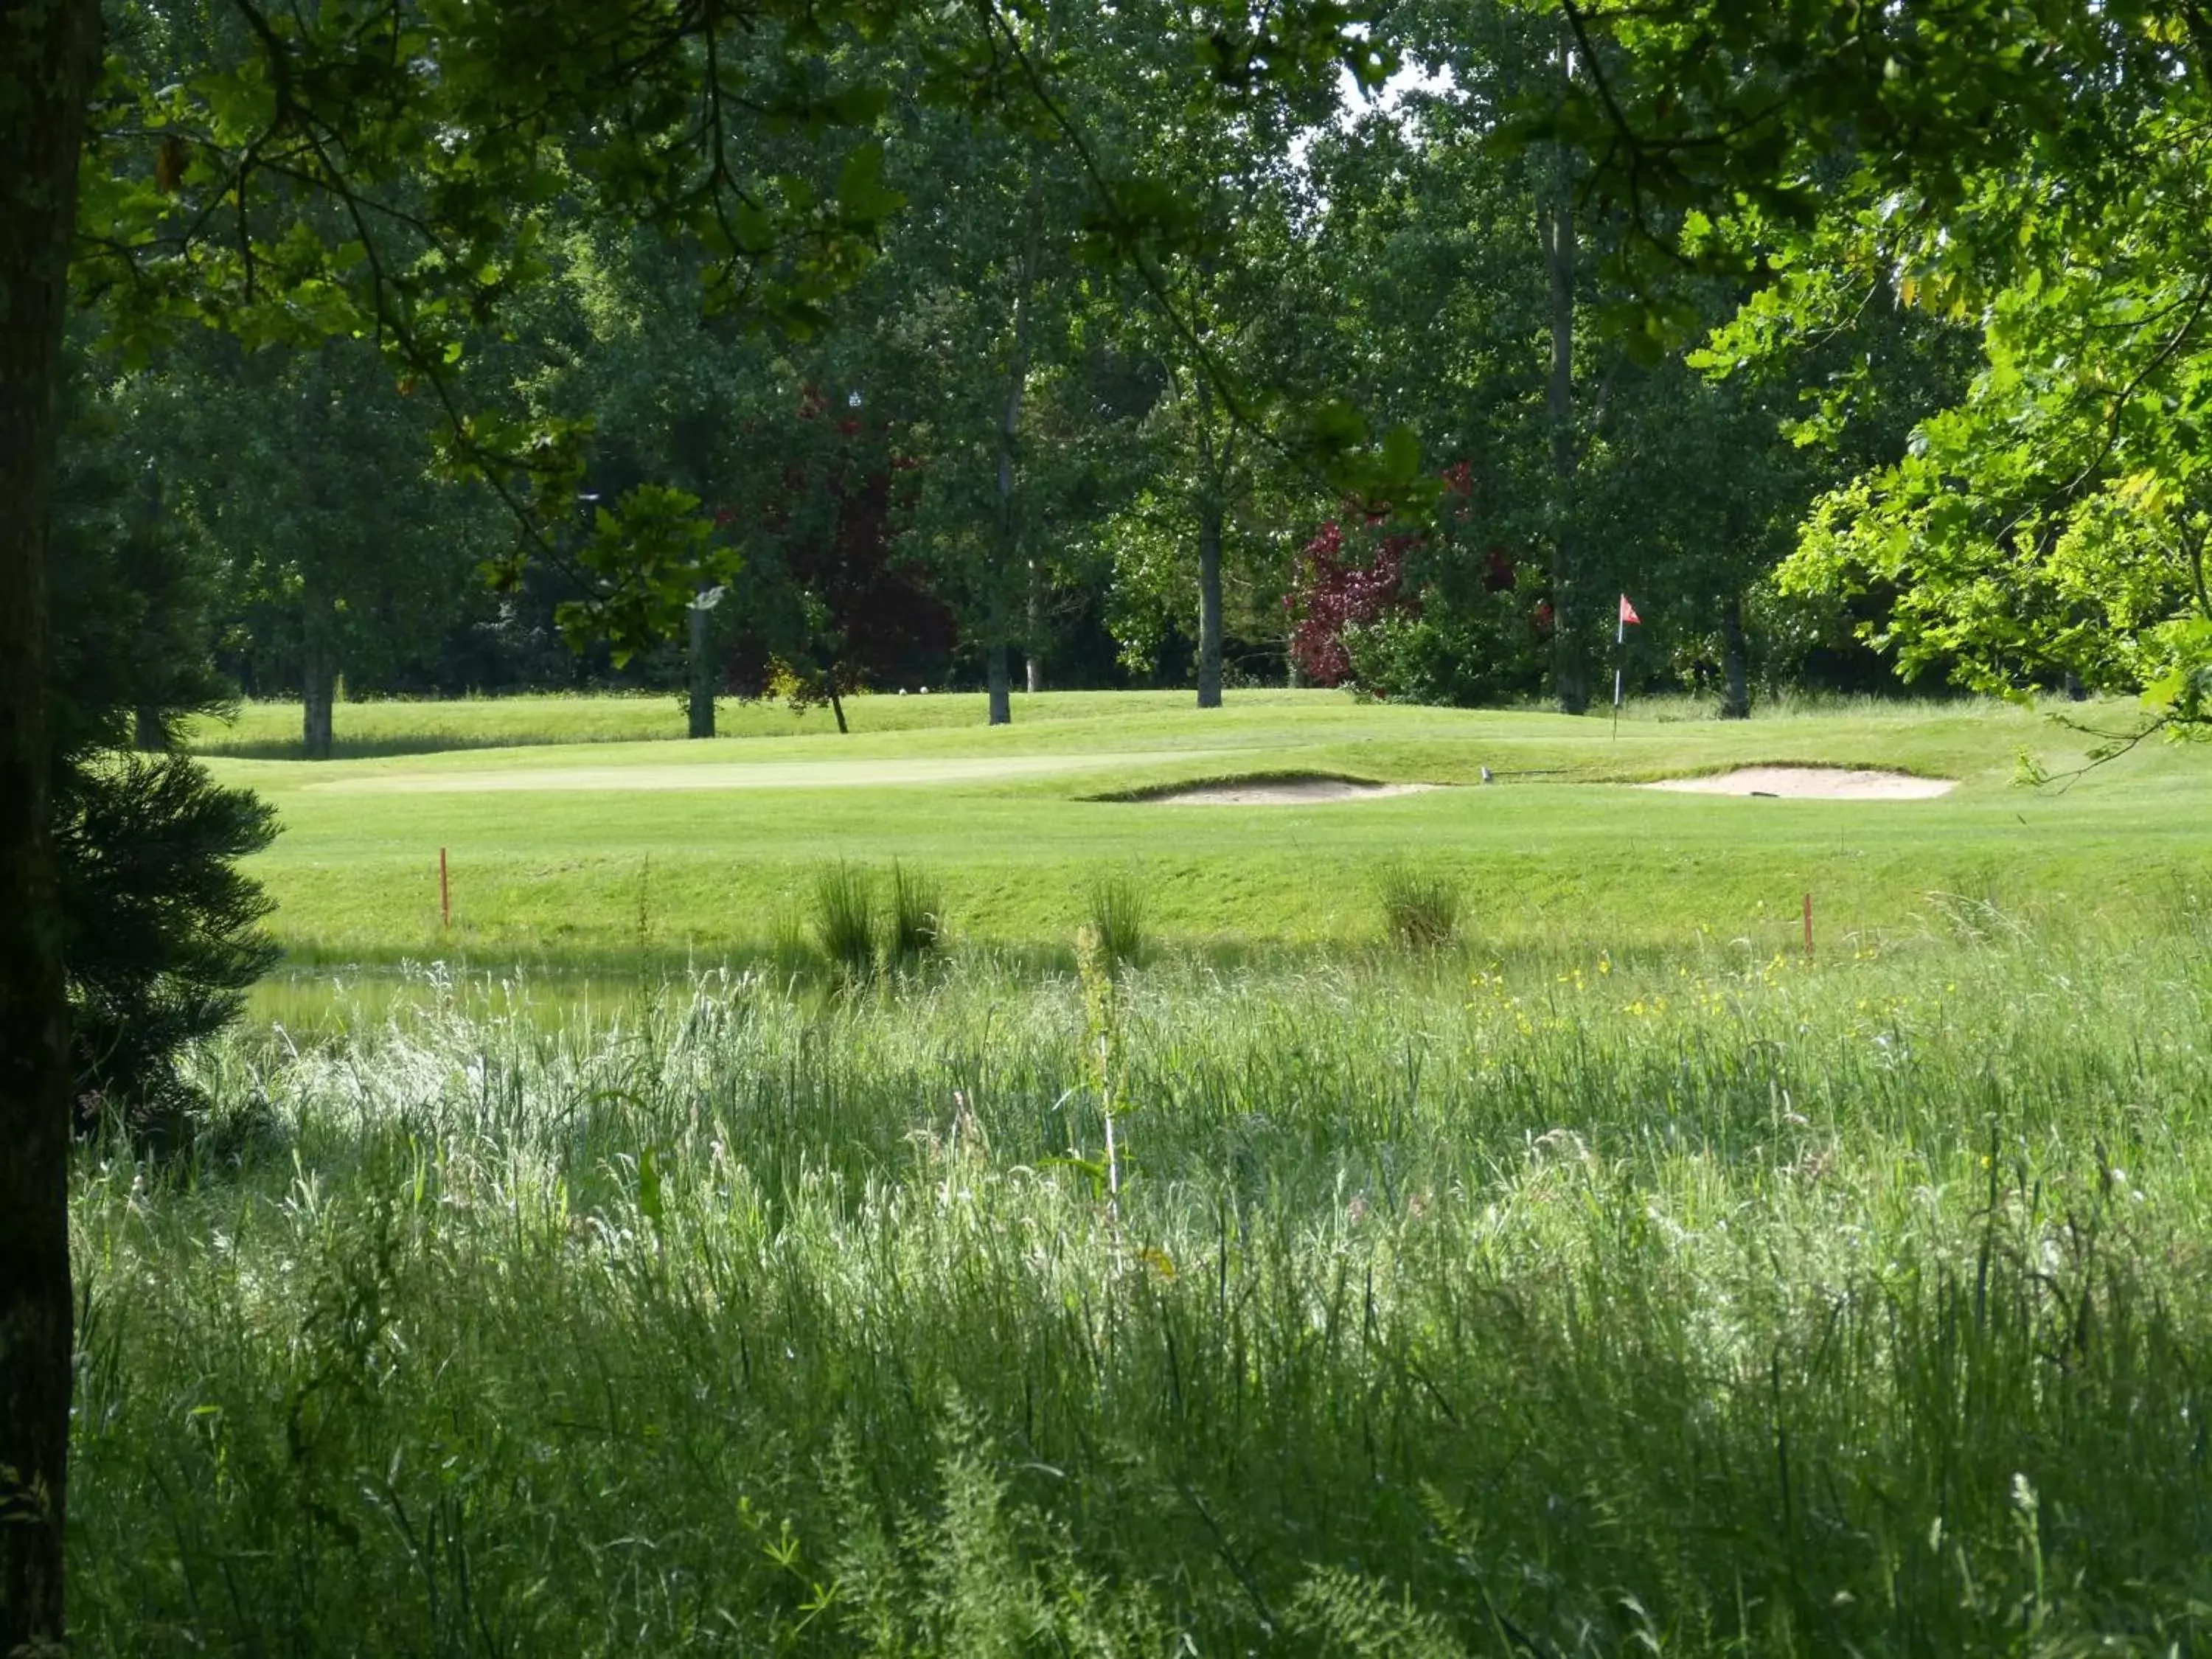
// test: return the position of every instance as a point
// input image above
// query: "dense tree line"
(995, 455)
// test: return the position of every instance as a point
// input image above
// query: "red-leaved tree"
(1353, 580)
(1334, 591)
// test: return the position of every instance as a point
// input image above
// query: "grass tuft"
(843, 902)
(917, 917)
(1116, 906)
(1420, 908)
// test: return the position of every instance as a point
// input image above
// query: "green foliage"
(161, 934)
(1464, 655)
(655, 556)
(161, 927)
(2034, 176)
(1421, 906)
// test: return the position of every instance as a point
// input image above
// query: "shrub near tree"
(159, 934)
(1425, 612)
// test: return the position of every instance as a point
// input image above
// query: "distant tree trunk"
(702, 664)
(1736, 692)
(1001, 685)
(1569, 681)
(1008, 550)
(150, 731)
(1033, 627)
(837, 708)
(1209, 601)
(318, 676)
(45, 78)
(319, 661)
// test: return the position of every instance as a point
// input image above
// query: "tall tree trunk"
(149, 732)
(1209, 601)
(319, 657)
(1735, 691)
(318, 676)
(700, 707)
(1569, 673)
(1033, 628)
(1213, 463)
(1009, 538)
(1001, 684)
(48, 51)
(1007, 552)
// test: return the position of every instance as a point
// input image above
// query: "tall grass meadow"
(1701, 1306)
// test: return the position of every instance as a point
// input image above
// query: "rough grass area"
(1551, 850)
(1715, 1304)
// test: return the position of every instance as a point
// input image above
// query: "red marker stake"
(445, 894)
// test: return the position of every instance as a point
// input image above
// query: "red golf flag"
(1628, 612)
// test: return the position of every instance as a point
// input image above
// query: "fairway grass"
(611, 855)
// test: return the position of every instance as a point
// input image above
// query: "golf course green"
(577, 833)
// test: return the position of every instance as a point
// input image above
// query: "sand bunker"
(1282, 792)
(1811, 783)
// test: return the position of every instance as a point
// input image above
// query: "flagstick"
(1619, 660)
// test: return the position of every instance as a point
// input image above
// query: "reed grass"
(1698, 1305)
(1116, 912)
(844, 903)
(917, 914)
(1421, 906)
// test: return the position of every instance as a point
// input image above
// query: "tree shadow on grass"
(377, 747)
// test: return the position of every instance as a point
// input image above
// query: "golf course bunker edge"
(1305, 789)
(1810, 783)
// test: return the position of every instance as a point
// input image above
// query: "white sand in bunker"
(759, 775)
(1811, 783)
(1282, 792)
